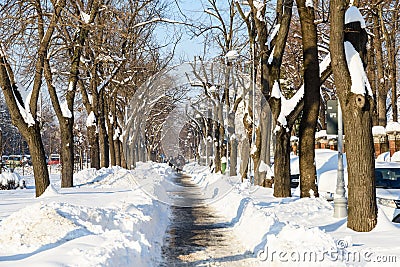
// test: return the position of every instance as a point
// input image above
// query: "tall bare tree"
(270, 48)
(24, 111)
(84, 16)
(309, 117)
(359, 104)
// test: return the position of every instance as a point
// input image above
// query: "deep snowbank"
(107, 220)
(294, 231)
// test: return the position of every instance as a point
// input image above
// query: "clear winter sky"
(189, 46)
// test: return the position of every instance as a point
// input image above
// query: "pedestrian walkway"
(197, 236)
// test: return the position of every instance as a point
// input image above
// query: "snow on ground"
(298, 232)
(107, 219)
(116, 217)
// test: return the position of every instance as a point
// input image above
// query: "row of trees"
(88, 54)
(286, 50)
(95, 55)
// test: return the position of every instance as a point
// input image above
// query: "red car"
(54, 159)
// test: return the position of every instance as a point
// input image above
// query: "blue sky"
(188, 47)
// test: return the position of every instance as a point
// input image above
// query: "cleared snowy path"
(198, 237)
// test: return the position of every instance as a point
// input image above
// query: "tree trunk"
(217, 146)
(381, 90)
(308, 123)
(38, 157)
(111, 143)
(258, 178)
(209, 145)
(103, 141)
(124, 163)
(94, 147)
(30, 133)
(233, 157)
(393, 80)
(362, 208)
(117, 153)
(67, 152)
(282, 177)
(322, 116)
(142, 152)
(371, 73)
(218, 137)
(245, 152)
(270, 73)
(232, 144)
(265, 125)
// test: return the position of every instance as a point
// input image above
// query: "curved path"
(197, 236)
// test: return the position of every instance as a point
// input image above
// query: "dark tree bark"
(94, 147)
(308, 123)
(117, 153)
(282, 180)
(245, 147)
(31, 133)
(362, 208)
(67, 152)
(265, 139)
(270, 74)
(103, 136)
(124, 163)
(30, 130)
(110, 127)
(66, 121)
(379, 85)
(92, 133)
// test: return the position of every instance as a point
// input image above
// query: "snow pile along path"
(293, 231)
(105, 221)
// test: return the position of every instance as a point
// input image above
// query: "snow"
(352, 15)
(253, 150)
(276, 91)
(14, 179)
(378, 130)
(2, 53)
(287, 106)
(384, 157)
(320, 134)
(283, 231)
(91, 120)
(393, 126)
(324, 63)
(65, 110)
(26, 112)
(271, 56)
(396, 156)
(259, 5)
(271, 37)
(116, 134)
(110, 218)
(85, 17)
(70, 86)
(263, 166)
(232, 55)
(310, 3)
(118, 217)
(359, 79)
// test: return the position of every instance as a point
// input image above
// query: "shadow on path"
(196, 236)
